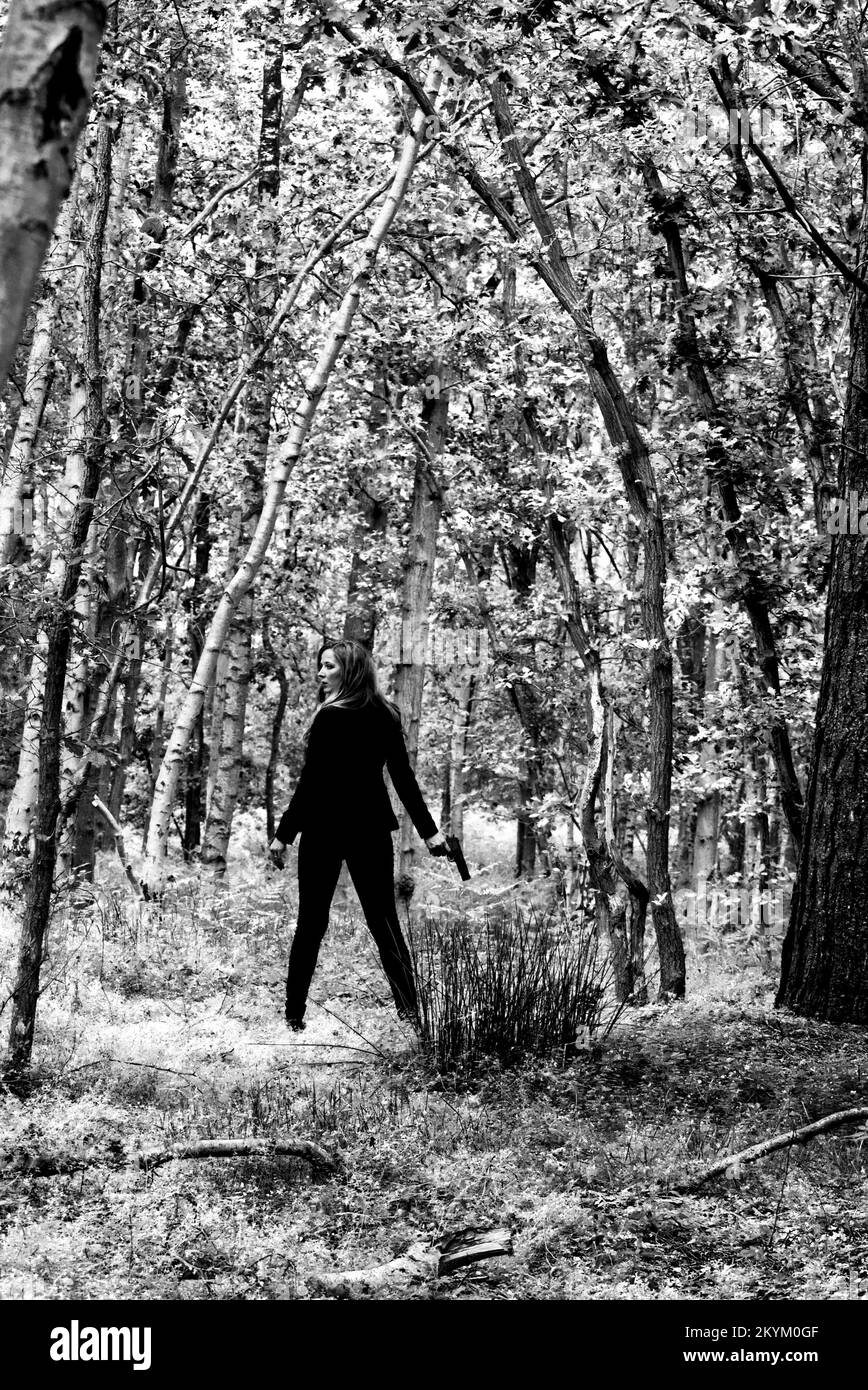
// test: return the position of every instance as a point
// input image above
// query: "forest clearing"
(475, 393)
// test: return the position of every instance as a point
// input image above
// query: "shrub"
(520, 983)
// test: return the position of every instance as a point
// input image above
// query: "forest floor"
(161, 1028)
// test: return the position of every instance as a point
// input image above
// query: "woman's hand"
(277, 851)
(437, 844)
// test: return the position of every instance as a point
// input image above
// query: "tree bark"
(26, 989)
(707, 827)
(16, 496)
(48, 63)
(752, 591)
(824, 966)
(419, 560)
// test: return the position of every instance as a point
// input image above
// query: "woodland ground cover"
(155, 1031)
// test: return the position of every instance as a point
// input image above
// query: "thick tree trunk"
(48, 63)
(26, 988)
(824, 967)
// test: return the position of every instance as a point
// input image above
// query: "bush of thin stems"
(526, 983)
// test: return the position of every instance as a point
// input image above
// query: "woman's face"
(329, 673)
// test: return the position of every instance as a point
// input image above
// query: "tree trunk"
(26, 989)
(194, 786)
(48, 63)
(274, 666)
(707, 831)
(360, 622)
(228, 771)
(753, 587)
(16, 496)
(461, 725)
(824, 966)
(255, 417)
(640, 486)
(419, 560)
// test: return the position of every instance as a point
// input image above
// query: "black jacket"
(341, 787)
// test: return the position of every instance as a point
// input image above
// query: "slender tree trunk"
(707, 830)
(16, 496)
(360, 623)
(48, 63)
(255, 415)
(274, 667)
(640, 485)
(36, 915)
(229, 768)
(21, 812)
(753, 585)
(194, 787)
(419, 559)
(462, 721)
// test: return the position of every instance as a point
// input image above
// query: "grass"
(522, 982)
(160, 1027)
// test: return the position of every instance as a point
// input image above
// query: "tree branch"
(768, 1146)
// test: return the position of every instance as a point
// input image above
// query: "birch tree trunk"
(255, 433)
(48, 63)
(244, 576)
(36, 915)
(360, 622)
(21, 811)
(194, 788)
(16, 496)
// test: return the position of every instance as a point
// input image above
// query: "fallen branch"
(119, 845)
(42, 1165)
(417, 1263)
(238, 1148)
(734, 1162)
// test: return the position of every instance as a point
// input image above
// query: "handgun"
(456, 854)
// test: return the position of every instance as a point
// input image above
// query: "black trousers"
(370, 862)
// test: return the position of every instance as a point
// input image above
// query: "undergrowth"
(165, 1027)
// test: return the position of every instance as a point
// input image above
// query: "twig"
(779, 1141)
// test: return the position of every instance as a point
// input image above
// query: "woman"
(343, 812)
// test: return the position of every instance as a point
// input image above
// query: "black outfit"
(342, 809)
